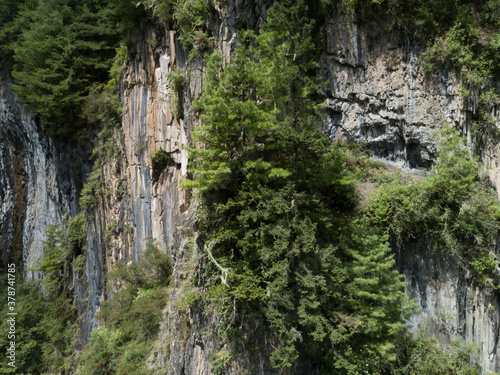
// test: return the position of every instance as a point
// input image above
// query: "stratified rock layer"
(378, 94)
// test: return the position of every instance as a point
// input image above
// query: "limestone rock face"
(377, 94)
(39, 180)
(450, 305)
(39, 185)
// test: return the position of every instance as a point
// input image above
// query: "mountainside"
(378, 93)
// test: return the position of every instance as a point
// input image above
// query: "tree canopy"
(274, 192)
(63, 48)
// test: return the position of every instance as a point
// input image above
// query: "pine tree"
(273, 190)
(9, 28)
(64, 47)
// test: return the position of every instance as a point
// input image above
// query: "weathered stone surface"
(377, 94)
(451, 307)
(39, 180)
(39, 183)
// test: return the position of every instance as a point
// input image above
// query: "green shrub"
(79, 263)
(452, 208)
(54, 263)
(160, 160)
(131, 317)
(220, 362)
(425, 355)
(154, 269)
(89, 195)
(178, 78)
(100, 354)
(76, 235)
(192, 19)
(189, 17)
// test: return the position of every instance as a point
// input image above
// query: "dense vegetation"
(275, 196)
(453, 209)
(46, 322)
(273, 191)
(131, 317)
(290, 251)
(45, 328)
(62, 48)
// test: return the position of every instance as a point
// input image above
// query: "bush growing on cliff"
(189, 17)
(273, 191)
(160, 159)
(423, 354)
(131, 317)
(452, 209)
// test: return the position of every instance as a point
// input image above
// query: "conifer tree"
(272, 189)
(64, 47)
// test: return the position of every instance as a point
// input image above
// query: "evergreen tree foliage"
(9, 28)
(273, 191)
(54, 262)
(46, 318)
(30, 307)
(45, 329)
(64, 47)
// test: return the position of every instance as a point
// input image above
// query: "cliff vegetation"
(291, 253)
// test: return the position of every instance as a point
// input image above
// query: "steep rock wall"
(39, 181)
(39, 185)
(379, 95)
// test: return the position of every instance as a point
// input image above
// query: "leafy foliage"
(160, 159)
(190, 18)
(30, 307)
(425, 355)
(451, 208)
(220, 362)
(54, 262)
(427, 18)
(178, 79)
(273, 190)
(131, 317)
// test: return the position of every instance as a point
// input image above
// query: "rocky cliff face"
(39, 185)
(39, 181)
(378, 94)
